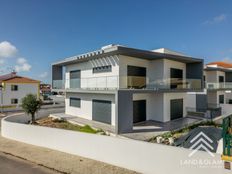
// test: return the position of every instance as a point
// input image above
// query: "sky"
(36, 33)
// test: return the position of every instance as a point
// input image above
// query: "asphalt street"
(13, 165)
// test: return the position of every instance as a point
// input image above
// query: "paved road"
(42, 112)
(13, 165)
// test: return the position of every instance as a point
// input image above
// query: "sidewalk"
(59, 161)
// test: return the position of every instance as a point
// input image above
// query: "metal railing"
(127, 82)
(227, 135)
(222, 85)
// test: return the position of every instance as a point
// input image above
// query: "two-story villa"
(120, 86)
(218, 82)
(217, 95)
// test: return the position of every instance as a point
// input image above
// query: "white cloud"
(217, 19)
(2, 61)
(21, 60)
(43, 75)
(22, 65)
(7, 50)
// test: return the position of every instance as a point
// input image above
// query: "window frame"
(14, 99)
(13, 87)
(102, 69)
(77, 99)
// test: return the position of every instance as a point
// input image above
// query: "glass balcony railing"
(58, 84)
(127, 82)
(223, 85)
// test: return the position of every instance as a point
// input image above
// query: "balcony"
(128, 82)
(223, 85)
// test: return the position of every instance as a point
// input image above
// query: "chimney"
(13, 73)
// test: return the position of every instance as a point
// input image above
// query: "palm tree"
(31, 104)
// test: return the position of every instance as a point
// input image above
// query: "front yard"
(61, 124)
(170, 137)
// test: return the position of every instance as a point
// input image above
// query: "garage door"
(139, 111)
(102, 111)
(176, 108)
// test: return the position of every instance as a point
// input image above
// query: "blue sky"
(33, 33)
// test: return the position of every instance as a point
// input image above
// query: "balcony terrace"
(129, 82)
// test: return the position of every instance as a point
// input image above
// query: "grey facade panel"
(201, 102)
(228, 76)
(124, 112)
(194, 70)
(57, 72)
(101, 111)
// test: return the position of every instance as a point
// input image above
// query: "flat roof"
(122, 50)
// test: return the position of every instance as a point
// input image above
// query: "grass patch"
(61, 124)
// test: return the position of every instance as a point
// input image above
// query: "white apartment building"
(121, 86)
(217, 95)
(13, 88)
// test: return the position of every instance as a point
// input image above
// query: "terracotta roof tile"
(221, 64)
(13, 78)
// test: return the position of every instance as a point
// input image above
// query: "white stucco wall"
(124, 61)
(171, 96)
(213, 96)
(157, 70)
(90, 79)
(190, 101)
(158, 104)
(213, 76)
(85, 111)
(143, 157)
(154, 105)
(168, 64)
(23, 90)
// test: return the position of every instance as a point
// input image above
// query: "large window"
(75, 102)
(75, 79)
(102, 69)
(14, 101)
(176, 78)
(14, 87)
(221, 99)
(221, 79)
(136, 77)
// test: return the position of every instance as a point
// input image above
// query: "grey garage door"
(102, 111)
(176, 108)
(139, 111)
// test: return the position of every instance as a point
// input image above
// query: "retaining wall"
(131, 154)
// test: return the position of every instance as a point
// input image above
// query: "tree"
(31, 104)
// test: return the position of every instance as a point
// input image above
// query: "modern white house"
(13, 88)
(121, 86)
(217, 95)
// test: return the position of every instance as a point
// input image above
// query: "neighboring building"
(218, 82)
(45, 89)
(121, 86)
(217, 94)
(14, 88)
